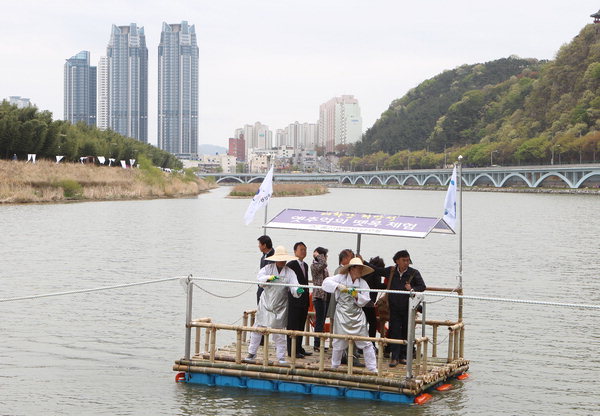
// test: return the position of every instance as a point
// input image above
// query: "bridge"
(558, 176)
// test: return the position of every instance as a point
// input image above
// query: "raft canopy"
(359, 223)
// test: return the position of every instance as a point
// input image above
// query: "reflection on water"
(111, 352)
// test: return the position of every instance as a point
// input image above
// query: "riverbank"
(46, 181)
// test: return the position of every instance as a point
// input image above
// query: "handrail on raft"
(420, 363)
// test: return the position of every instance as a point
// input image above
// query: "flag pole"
(460, 239)
(267, 206)
(265, 221)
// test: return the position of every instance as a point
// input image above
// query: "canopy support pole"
(358, 237)
(188, 317)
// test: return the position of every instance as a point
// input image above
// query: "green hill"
(521, 109)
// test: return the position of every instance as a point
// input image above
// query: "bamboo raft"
(227, 366)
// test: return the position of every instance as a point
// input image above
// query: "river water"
(111, 352)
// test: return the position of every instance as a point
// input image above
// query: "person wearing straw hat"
(349, 316)
(272, 308)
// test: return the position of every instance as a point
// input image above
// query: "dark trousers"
(296, 321)
(320, 315)
(371, 320)
(398, 330)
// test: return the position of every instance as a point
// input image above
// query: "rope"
(210, 279)
(221, 296)
(97, 289)
(404, 292)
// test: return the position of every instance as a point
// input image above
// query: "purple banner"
(358, 223)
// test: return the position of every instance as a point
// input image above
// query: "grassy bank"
(46, 181)
(248, 190)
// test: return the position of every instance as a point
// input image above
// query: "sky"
(276, 61)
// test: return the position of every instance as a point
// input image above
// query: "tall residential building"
(301, 136)
(178, 90)
(127, 82)
(80, 89)
(340, 122)
(102, 94)
(257, 136)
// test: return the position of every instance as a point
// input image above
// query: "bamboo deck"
(305, 373)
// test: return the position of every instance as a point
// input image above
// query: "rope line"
(405, 292)
(251, 283)
(221, 296)
(96, 289)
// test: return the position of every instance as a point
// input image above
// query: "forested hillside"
(520, 110)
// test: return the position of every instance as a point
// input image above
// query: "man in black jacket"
(298, 307)
(404, 278)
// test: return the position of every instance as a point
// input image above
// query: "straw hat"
(281, 255)
(356, 262)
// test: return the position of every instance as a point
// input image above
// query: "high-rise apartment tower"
(80, 89)
(126, 80)
(340, 122)
(178, 90)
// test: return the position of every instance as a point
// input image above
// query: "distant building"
(102, 94)
(80, 89)
(178, 90)
(217, 163)
(257, 136)
(127, 82)
(298, 135)
(19, 101)
(259, 160)
(237, 147)
(340, 122)
(306, 160)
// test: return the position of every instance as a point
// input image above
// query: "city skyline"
(301, 53)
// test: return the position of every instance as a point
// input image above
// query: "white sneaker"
(283, 361)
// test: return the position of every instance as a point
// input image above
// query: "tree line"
(28, 130)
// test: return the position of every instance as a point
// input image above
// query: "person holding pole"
(349, 316)
(272, 311)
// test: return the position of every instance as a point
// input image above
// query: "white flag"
(131, 162)
(261, 198)
(450, 202)
(123, 164)
(59, 158)
(101, 159)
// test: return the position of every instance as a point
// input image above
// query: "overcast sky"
(276, 61)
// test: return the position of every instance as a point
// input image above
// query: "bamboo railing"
(419, 364)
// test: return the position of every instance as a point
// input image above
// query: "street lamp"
(492, 157)
(552, 159)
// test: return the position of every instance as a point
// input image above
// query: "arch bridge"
(558, 176)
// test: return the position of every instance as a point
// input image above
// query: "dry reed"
(248, 190)
(46, 181)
